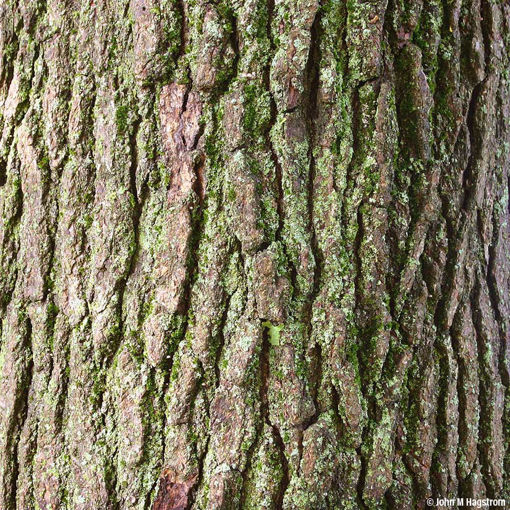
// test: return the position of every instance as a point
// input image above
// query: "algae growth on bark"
(254, 254)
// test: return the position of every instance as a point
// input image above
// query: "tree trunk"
(253, 254)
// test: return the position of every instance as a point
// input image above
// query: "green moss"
(121, 118)
(257, 110)
(43, 163)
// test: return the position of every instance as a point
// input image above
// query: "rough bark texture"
(253, 254)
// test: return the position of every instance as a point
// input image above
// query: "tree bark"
(253, 255)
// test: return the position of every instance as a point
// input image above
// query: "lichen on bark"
(253, 254)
